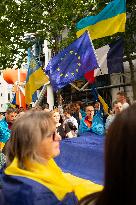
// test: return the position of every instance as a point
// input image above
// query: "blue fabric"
(72, 62)
(14, 100)
(4, 131)
(83, 126)
(112, 9)
(34, 96)
(83, 113)
(98, 125)
(24, 191)
(115, 56)
(83, 157)
(33, 65)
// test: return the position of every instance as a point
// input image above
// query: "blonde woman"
(31, 176)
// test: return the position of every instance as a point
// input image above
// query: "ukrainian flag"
(35, 79)
(109, 21)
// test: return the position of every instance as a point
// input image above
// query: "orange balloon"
(11, 75)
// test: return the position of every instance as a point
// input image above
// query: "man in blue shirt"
(5, 125)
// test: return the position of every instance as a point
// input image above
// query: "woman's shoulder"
(26, 191)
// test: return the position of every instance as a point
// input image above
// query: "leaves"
(48, 20)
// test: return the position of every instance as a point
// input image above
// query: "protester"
(117, 108)
(120, 167)
(75, 111)
(97, 107)
(80, 107)
(91, 123)
(5, 125)
(63, 130)
(86, 122)
(69, 118)
(37, 107)
(122, 98)
(45, 107)
(31, 175)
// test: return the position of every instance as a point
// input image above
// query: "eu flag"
(72, 63)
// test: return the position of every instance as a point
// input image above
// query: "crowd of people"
(30, 141)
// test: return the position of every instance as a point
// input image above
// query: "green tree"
(47, 19)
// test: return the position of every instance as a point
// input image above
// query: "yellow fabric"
(104, 104)
(36, 80)
(106, 27)
(82, 187)
(51, 176)
(1, 145)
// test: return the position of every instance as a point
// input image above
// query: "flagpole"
(50, 95)
(19, 94)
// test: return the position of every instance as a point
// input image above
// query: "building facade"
(6, 94)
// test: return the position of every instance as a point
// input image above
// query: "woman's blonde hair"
(27, 133)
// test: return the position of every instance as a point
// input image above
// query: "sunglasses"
(90, 111)
(55, 136)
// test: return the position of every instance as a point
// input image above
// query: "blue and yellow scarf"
(51, 176)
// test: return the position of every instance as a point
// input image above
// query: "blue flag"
(115, 56)
(72, 62)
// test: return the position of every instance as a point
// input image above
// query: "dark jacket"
(16, 190)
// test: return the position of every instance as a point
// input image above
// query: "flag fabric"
(89, 76)
(104, 104)
(35, 79)
(110, 58)
(101, 100)
(19, 97)
(109, 21)
(72, 62)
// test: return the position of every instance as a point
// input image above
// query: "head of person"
(120, 160)
(97, 105)
(78, 106)
(56, 115)
(37, 107)
(21, 109)
(72, 107)
(33, 138)
(89, 111)
(1, 115)
(117, 107)
(121, 97)
(45, 106)
(10, 115)
(67, 112)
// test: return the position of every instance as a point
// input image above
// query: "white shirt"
(73, 120)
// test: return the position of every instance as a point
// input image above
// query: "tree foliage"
(47, 19)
